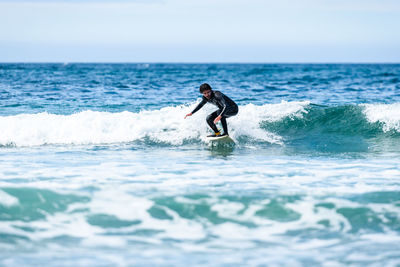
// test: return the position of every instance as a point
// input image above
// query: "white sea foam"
(250, 116)
(8, 200)
(128, 185)
(165, 125)
(387, 114)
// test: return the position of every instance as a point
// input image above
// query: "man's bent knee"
(210, 118)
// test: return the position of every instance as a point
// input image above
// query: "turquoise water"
(99, 168)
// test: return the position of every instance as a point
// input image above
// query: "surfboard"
(224, 138)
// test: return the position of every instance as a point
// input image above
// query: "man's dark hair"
(205, 87)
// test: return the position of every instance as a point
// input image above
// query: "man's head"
(206, 90)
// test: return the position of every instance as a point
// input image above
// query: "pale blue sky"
(200, 31)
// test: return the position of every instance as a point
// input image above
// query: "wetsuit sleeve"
(200, 105)
(220, 98)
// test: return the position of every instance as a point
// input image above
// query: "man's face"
(207, 94)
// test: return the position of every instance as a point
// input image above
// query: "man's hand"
(217, 119)
(189, 114)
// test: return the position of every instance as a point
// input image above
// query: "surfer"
(226, 108)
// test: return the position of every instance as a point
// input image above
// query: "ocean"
(98, 166)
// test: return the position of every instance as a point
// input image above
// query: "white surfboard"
(224, 138)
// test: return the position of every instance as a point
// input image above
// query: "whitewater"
(168, 126)
(98, 166)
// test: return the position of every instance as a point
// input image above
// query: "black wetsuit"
(226, 108)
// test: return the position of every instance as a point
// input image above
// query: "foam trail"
(165, 125)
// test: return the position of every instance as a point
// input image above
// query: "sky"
(259, 31)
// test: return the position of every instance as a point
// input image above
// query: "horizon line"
(194, 62)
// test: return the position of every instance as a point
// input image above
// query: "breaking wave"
(280, 124)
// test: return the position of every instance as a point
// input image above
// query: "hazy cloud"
(253, 29)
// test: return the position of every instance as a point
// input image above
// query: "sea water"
(98, 166)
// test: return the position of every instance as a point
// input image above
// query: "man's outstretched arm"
(199, 106)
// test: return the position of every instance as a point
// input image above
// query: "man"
(226, 108)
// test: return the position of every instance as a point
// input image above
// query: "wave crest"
(163, 126)
(271, 123)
